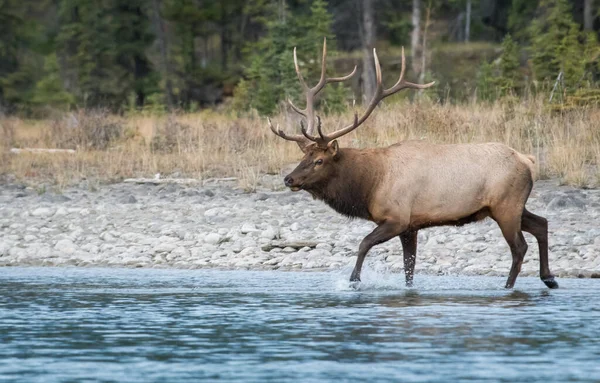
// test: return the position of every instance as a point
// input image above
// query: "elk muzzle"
(289, 182)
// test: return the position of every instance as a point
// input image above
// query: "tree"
(415, 35)
(368, 37)
(509, 81)
(555, 44)
(520, 15)
(468, 22)
(588, 15)
(159, 27)
(270, 76)
(104, 46)
(19, 69)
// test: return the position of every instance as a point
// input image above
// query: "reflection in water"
(147, 325)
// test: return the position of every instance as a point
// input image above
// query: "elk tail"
(530, 162)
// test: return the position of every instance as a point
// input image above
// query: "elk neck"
(352, 185)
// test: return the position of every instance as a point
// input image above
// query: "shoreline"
(220, 226)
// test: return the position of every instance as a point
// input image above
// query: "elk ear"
(332, 148)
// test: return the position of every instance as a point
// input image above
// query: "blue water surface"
(142, 325)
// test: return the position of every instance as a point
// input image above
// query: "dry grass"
(207, 144)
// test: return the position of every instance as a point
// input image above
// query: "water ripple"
(91, 325)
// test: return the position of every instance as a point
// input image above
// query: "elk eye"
(319, 162)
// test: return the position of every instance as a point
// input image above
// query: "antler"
(379, 95)
(309, 112)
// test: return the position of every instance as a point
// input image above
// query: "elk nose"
(288, 181)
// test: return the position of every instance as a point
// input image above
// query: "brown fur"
(415, 184)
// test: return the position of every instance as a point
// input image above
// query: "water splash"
(374, 276)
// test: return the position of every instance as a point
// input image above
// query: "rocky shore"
(217, 225)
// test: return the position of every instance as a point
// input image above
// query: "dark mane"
(349, 191)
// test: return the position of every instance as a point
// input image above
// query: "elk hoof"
(550, 282)
(354, 285)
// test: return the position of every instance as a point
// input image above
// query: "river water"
(140, 325)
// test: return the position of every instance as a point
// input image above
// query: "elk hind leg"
(510, 225)
(409, 249)
(382, 233)
(538, 227)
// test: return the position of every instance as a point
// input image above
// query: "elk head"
(321, 152)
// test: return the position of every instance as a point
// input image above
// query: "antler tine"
(323, 80)
(296, 138)
(379, 95)
(301, 112)
(343, 78)
(401, 84)
(306, 134)
(309, 112)
(323, 137)
(302, 82)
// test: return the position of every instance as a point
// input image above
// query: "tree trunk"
(368, 43)
(588, 15)
(424, 50)
(159, 27)
(224, 39)
(468, 22)
(416, 32)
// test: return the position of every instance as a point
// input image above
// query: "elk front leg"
(409, 248)
(382, 233)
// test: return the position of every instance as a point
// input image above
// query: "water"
(89, 325)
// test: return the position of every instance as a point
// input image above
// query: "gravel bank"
(169, 225)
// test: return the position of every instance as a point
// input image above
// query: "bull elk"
(414, 185)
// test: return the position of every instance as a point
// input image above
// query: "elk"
(415, 184)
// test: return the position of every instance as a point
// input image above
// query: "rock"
(4, 247)
(55, 198)
(61, 211)
(128, 199)
(213, 212)
(212, 238)
(65, 246)
(248, 227)
(261, 197)
(324, 246)
(42, 212)
(566, 202)
(270, 233)
(181, 252)
(580, 241)
(164, 247)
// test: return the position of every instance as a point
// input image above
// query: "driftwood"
(40, 150)
(157, 181)
(293, 244)
(180, 181)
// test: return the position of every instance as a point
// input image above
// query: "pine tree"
(519, 18)
(21, 36)
(104, 47)
(509, 81)
(271, 77)
(555, 44)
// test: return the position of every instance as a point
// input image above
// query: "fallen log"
(40, 150)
